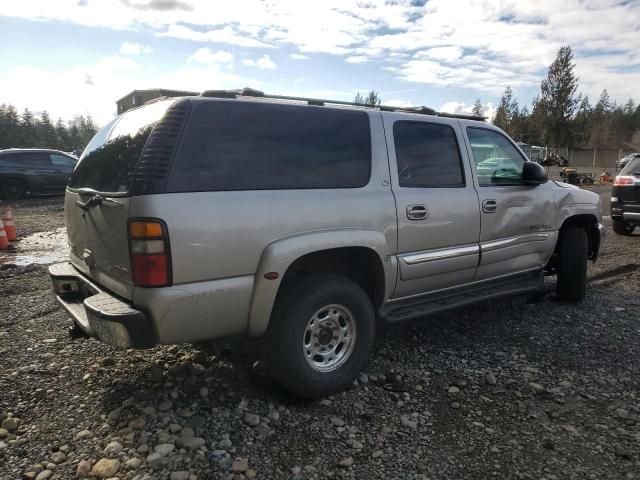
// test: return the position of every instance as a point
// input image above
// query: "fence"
(604, 158)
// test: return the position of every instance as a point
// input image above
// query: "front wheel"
(623, 228)
(572, 268)
(320, 336)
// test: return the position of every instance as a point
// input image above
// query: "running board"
(450, 298)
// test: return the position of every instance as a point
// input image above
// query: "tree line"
(560, 116)
(27, 130)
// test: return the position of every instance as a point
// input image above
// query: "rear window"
(632, 168)
(109, 161)
(239, 145)
(28, 158)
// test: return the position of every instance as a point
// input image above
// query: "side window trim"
(474, 164)
(455, 137)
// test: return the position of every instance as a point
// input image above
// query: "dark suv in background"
(625, 198)
(29, 171)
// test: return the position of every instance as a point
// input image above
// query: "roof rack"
(250, 92)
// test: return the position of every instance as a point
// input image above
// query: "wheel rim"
(329, 338)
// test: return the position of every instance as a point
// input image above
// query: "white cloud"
(128, 48)
(222, 35)
(357, 59)
(488, 109)
(297, 56)
(264, 63)
(397, 102)
(206, 56)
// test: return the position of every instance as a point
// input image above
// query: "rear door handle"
(417, 212)
(489, 206)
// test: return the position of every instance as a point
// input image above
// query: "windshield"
(108, 163)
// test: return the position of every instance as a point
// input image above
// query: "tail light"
(623, 180)
(149, 253)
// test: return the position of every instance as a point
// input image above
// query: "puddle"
(42, 248)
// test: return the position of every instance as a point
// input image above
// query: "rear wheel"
(14, 189)
(320, 335)
(623, 228)
(572, 268)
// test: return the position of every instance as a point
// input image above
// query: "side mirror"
(533, 174)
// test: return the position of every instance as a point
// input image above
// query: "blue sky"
(75, 57)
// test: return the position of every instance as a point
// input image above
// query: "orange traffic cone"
(4, 241)
(9, 226)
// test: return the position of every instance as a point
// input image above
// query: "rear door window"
(237, 145)
(427, 155)
(108, 163)
(35, 159)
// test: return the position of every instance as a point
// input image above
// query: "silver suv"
(305, 221)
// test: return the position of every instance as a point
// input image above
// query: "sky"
(73, 57)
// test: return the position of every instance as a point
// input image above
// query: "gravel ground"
(523, 388)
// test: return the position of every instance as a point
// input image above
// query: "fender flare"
(279, 255)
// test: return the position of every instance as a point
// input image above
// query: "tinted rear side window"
(427, 155)
(30, 158)
(109, 161)
(253, 146)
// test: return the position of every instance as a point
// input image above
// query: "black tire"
(14, 189)
(572, 268)
(295, 306)
(623, 228)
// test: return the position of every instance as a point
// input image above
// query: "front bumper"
(98, 313)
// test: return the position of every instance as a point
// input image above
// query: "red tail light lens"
(149, 253)
(624, 181)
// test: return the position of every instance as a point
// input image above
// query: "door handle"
(489, 206)
(417, 212)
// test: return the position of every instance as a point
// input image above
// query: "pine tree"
(505, 110)
(62, 136)
(557, 95)
(372, 99)
(601, 120)
(27, 137)
(478, 109)
(46, 134)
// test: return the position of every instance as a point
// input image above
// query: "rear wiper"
(95, 200)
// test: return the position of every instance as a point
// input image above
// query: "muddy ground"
(522, 388)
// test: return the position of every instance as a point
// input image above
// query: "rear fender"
(279, 255)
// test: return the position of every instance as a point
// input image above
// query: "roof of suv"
(27, 150)
(249, 94)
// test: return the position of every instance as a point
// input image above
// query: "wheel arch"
(359, 254)
(590, 223)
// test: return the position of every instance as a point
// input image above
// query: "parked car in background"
(26, 171)
(626, 159)
(236, 213)
(625, 198)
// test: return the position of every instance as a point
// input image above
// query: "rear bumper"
(98, 313)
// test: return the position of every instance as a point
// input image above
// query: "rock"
(10, 424)
(455, 405)
(4, 433)
(58, 457)
(114, 448)
(225, 444)
(105, 468)
(548, 444)
(164, 449)
(133, 463)
(155, 460)
(187, 432)
(83, 434)
(490, 379)
(240, 465)
(204, 392)
(165, 406)
(460, 382)
(356, 445)
(107, 361)
(251, 419)
(3, 445)
(179, 475)
(571, 429)
(406, 422)
(43, 475)
(622, 413)
(84, 467)
(295, 470)
(565, 384)
(536, 387)
(363, 378)
(346, 462)
(201, 357)
(377, 454)
(453, 390)
(190, 443)
(338, 422)
(250, 473)
(137, 423)
(622, 452)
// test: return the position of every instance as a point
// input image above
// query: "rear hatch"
(629, 194)
(97, 198)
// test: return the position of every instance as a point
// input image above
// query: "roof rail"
(250, 92)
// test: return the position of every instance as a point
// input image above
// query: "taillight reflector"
(149, 252)
(620, 180)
